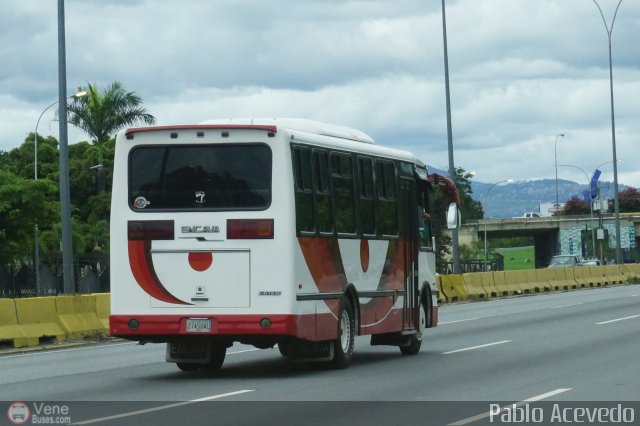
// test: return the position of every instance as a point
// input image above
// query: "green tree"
(23, 204)
(629, 200)
(102, 114)
(469, 209)
(575, 206)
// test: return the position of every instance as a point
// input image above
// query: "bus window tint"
(216, 177)
(342, 176)
(387, 199)
(304, 189)
(322, 191)
(367, 218)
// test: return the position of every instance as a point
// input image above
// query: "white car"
(528, 215)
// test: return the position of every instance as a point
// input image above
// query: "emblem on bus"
(200, 197)
(141, 203)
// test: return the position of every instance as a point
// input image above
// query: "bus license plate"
(198, 325)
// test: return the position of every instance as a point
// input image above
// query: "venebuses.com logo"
(18, 413)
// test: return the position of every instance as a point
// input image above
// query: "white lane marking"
(565, 306)
(52, 350)
(511, 406)
(243, 351)
(476, 347)
(635, 295)
(161, 407)
(49, 351)
(617, 319)
(462, 320)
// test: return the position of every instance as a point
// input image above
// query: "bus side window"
(304, 191)
(367, 215)
(387, 199)
(343, 193)
(322, 186)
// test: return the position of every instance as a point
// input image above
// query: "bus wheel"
(218, 352)
(415, 340)
(343, 345)
(282, 347)
(188, 366)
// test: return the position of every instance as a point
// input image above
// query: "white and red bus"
(269, 232)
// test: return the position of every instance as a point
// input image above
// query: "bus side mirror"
(453, 216)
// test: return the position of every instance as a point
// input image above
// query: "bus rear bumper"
(151, 327)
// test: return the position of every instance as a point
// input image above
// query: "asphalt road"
(575, 346)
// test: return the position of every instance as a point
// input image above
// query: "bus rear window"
(209, 177)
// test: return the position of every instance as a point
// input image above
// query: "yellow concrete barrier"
(516, 281)
(489, 285)
(103, 309)
(77, 315)
(505, 283)
(582, 276)
(560, 278)
(500, 283)
(541, 280)
(454, 288)
(633, 269)
(473, 283)
(598, 276)
(616, 274)
(10, 330)
(38, 318)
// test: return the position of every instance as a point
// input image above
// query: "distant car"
(531, 214)
(564, 261)
(591, 262)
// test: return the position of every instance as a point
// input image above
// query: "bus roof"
(353, 139)
(300, 124)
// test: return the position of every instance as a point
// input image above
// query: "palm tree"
(103, 114)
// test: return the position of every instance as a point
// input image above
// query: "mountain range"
(516, 198)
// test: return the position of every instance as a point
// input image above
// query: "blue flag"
(594, 184)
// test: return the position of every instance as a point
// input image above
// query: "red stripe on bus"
(145, 275)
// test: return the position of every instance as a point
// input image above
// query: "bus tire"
(282, 347)
(218, 353)
(344, 343)
(188, 366)
(415, 340)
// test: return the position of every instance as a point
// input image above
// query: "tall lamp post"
(555, 150)
(593, 235)
(616, 202)
(77, 95)
(455, 249)
(486, 198)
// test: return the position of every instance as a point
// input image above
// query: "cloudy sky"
(521, 72)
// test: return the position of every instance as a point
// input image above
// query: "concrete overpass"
(559, 234)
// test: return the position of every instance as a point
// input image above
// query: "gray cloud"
(521, 71)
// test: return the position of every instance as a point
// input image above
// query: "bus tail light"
(250, 229)
(150, 230)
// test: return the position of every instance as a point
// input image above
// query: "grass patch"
(518, 258)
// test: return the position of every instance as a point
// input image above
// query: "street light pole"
(486, 199)
(555, 150)
(616, 201)
(35, 177)
(455, 248)
(65, 190)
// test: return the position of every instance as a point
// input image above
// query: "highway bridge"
(560, 234)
